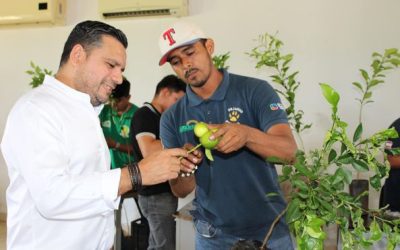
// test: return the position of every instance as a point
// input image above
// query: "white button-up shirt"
(62, 194)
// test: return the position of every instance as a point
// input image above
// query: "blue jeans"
(158, 210)
(210, 238)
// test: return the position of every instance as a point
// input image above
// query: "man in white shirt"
(62, 194)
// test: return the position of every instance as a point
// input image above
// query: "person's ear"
(77, 54)
(164, 92)
(210, 46)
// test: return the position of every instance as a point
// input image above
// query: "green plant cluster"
(220, 60)
(268, 54)
(320, 197)
(37, 74)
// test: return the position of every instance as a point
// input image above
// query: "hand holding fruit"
(232, 136)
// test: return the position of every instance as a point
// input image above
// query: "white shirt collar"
(71, 92)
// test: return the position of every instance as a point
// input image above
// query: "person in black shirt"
(390, 193)
(156, 202)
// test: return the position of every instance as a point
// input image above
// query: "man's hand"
(189, 163)
(232, 136)
(161, 166)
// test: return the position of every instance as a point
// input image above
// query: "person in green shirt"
(115, 119)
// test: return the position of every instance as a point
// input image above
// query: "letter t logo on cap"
(168, 35)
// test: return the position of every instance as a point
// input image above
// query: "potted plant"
(320, 177)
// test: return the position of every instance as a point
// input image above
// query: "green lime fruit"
(200, 129)
(205, 139)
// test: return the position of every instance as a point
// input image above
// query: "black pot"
(357, 187)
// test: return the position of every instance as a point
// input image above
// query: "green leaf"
(325, 205)
(315, 232)
(337, 177)
(209, 154)
(293, 212)
(348, 176)
(332, 156)
(389, 52)
(367, 95)
(358, 85)
(345, 158)
(375, 182)
(376, 233)
(394, 151)
(330, 94)
(286, 170)
(358, 132)
(272, 194)
(275, 160)
(303, 169)
(395, 61)
(300, 184)
(374, 82)
(360, 165)
(364, 75)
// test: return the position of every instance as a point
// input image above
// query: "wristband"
(135, 176)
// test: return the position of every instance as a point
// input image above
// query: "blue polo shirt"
(231, 191)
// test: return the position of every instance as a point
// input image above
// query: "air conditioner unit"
(140, 8)
(32, 11)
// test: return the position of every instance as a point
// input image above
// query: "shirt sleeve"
(38, 159)
(267, 106)
(167, 130)
(143, 122)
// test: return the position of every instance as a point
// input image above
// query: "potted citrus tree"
(320, 177)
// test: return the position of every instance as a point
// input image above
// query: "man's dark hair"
(172, 82)
(122, 90)
(89, 35)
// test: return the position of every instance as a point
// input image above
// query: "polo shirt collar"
(218, 95)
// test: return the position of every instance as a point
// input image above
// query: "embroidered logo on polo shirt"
(276, 106)
(234, 114)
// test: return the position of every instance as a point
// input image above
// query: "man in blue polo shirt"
(231, 201)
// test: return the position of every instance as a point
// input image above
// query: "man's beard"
(196, 83)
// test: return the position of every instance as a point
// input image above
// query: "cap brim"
(163, 59)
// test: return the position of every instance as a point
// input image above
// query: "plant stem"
(191, 150)
(271, 228)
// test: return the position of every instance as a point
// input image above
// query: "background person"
(115, 120)
(231, 201)
(157, 202)
(390, 193)
(62, 193)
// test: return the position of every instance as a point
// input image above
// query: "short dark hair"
(89, 35)
(122, 90)
(172, 82)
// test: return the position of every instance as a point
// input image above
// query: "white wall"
(330, 41)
